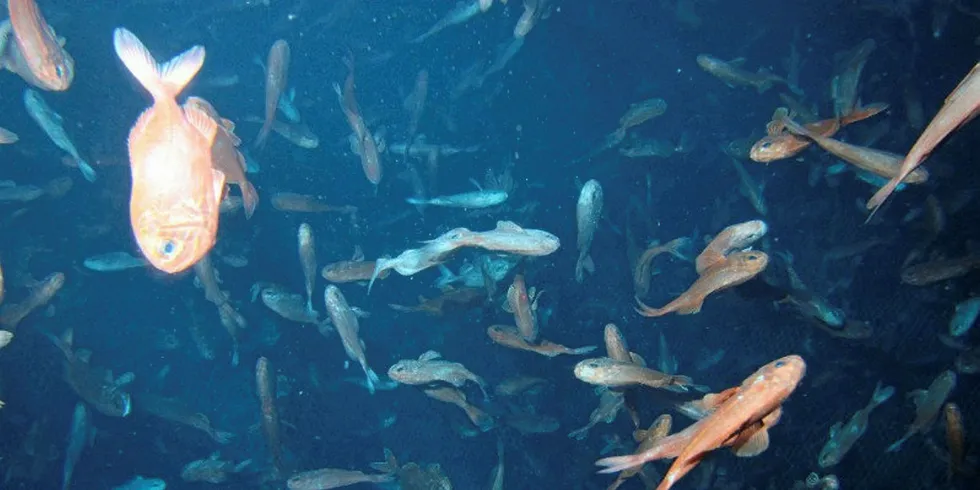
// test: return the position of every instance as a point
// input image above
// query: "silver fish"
(53, 125)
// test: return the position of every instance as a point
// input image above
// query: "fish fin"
(795, 128)
(380, 265)
(218, 178)
(389, 465)
(372, 379)
(881, 395)
(508, 226)
(638, 359)
(417, 201)
(692, 308)
(835, 429)
(87, 171)
(202, 122)
(881, 195)
(250, 198)
(755, 444)
(162, 81)
(898, 444)
(5, 30)
(430, 355)
(712, 401)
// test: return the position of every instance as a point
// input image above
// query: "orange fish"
(643, 269)
(511, 337)
(740, 419)
(962, 105)
(738, 268)
(225, 155)
(176, 193)
(780, 144)
(33, 50)
(370, 158)
(524, 305)
(955, 440)
(277, 70)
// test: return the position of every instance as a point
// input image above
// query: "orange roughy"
(741, 418)
(738, 268)
(173, 206)
(779, 144)
(30, 48)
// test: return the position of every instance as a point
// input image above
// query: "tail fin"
(162, 81)
(881, 395)
(583, 350)
(250, 198)
(372, 379)
(380, 265)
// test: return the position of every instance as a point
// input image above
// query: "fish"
(276, 75)
(964, 316)
(738, 268)
(82, 434)
(176, 192)
(290, 201)
(733, 76)
(959, 108)
(351, 271)
(53, 125)
(588, 210)
(955, 441)
(508, 336)
(265, 388)
(96, 386)
(327, 478)
(345, 321)
(307, 258)
(843, 436)
(604, 371)
(429, 368)
(928, 403)
(225, 155)
(211, 470)
(173, 410)
(298, 134)
(367, 148)
(286, 304)
(779, 144)
(879, 162)
(114, 262)
(33, 50)
(741, 419)
(452, 395)
(615, 342)
(520, 385)
(462, 12)
(642, 269)
(142, 483)
(939, 270)
(468, 200)
(8, 137)
(844, 85)
(610, 403)
(523, 304)
(11, 314)
(647, 438)
(733, 238)
(750, 188)
(511, 238)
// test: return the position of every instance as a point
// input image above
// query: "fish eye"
(765, 145)
(59, 71)
(168, 248)
(779, 364)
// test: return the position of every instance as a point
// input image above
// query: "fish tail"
(879, 197)
(372, 379)
(620, 463)
(87, 171)
(881, 394)
(795, 127)
(680, 248)
(647, 311)
(162, 81)
(417, 201)
(380, 266)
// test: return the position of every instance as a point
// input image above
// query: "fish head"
(830, 455)
(57, 72)
(589, 370)
(402, 371)
(116, 403)
(782, 375)
(709, 63)
(772, 148)
(173, 237)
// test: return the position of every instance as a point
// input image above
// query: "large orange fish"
(740, 418)
(738, 268)
(173, 206)
(30, 48)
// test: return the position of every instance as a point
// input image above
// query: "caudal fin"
(162, 81)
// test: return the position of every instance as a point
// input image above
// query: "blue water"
(576, 74)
